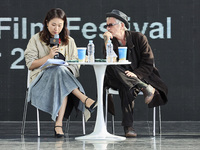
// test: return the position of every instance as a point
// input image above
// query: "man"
(140, 75)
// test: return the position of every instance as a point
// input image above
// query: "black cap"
(119, 15)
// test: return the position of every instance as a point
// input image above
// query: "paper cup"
(81, 54)
(122, 53)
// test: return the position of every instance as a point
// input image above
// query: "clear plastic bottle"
(91, 51)
(109, 50)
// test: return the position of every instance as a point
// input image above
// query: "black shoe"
(129, 132)
(58, 135)
(92, 107)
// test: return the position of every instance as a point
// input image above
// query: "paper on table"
(53, 62)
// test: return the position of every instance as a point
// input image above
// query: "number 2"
(15, 63)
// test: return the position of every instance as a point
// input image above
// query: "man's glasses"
(111, 24)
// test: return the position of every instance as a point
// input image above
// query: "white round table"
(100, 131)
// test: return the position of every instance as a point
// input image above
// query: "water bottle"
(90, 51)
(109, 50)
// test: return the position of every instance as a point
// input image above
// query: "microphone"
(55, 42)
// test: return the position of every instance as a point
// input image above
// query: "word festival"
(19, 29)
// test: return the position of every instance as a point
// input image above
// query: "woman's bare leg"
(83, 97)
(61, 112)
(59, 119)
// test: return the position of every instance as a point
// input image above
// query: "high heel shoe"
(56, 134)
(92, 107)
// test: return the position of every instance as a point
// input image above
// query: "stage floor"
(174, 136)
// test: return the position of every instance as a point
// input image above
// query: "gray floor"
(174, 136)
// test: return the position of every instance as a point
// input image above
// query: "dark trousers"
(116, 78)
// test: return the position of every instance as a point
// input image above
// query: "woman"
(55, 90)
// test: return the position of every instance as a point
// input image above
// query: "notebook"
(53, 62)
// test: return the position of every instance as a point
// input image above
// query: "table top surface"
(100, 63)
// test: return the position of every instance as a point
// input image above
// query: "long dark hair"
(64, 34)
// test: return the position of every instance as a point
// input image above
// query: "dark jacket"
(140, 54)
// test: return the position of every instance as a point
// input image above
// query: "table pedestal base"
(105, 137)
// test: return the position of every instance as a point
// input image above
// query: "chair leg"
(24, 117)
(106, 107)
(113, 124)
(106, 113)
(154, 121)
(38, 122)
(159, 109)
(24, 114)
(67, 125)
(83, 122)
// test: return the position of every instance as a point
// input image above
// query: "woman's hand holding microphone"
(54, 51)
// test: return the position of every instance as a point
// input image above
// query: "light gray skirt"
(50, 87)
